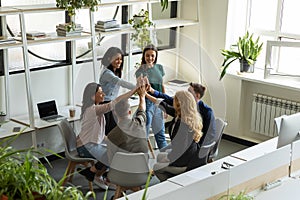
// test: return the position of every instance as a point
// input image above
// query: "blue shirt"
(110, 84)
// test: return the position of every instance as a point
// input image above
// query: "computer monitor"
(288, 127)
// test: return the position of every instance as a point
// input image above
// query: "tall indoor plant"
(246, 50)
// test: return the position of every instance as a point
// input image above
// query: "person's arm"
(162, 105)
(111, 77)
(163, 88)
(168, 99)
(142, 94)
(124, 96)
(104, 108)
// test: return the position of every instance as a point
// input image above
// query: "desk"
(257, 150)
(6, 129)
(155, 191)
(39, 123)
(205, 171)
(289, 189)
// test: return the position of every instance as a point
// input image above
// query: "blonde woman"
(186, 131)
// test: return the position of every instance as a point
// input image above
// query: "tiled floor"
(58, 166)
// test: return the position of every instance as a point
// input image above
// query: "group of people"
(107, 126)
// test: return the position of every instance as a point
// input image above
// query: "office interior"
(191, 53)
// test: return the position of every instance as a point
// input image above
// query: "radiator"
(265, 109)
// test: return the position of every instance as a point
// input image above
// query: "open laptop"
(48, 111)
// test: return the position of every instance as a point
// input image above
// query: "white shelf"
(173, 22)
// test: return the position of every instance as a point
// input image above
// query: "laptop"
(48, 111)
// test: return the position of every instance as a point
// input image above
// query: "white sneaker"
(100, 182)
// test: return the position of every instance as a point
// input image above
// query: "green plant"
(245, 49)
(164, 4)
(72, 5)
(23, 176)
(141, 24)
(240, 196)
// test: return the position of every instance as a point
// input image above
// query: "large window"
(274, 20)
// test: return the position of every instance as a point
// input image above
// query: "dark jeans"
(110, 120)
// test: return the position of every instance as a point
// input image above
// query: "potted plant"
(23, 176)
(141, 24)
(246, 50)
(71, 6)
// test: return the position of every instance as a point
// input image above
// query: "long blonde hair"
(186, 109)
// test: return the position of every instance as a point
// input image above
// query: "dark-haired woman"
(91, 139)
(111, 81)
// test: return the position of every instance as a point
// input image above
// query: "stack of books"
(34, 35)
(7, 40)
(62, 30)
(107, 25)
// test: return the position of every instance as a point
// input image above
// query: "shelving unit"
(23, 43)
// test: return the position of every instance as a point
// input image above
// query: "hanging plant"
(141, 24)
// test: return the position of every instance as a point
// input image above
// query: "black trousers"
(110, 120)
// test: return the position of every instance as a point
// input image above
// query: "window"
(272, 20)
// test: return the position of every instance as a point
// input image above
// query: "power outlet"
(40, 145)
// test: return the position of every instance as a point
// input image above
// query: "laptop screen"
(47, 108)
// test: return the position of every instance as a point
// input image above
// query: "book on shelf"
(115, 28)
(107, 21)
(178, 82)
(65, 33)
(64, 25)
(35, 34)
(64, 28)
(107, 25)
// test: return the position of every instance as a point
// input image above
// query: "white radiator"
(265, 109)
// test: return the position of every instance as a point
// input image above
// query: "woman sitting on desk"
(91, 139)
(186, 133)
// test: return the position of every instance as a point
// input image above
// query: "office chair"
(220, 126)
(69, 138)
(128, 171)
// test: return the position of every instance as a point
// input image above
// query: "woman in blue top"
(154, 72)
(110, 81)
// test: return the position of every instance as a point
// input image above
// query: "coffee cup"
(72, 111)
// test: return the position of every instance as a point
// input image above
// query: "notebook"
(48, 111)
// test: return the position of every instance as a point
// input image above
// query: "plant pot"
(138, 19)
(245, 67)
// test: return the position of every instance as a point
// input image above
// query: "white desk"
(257, 150)
(205, 171)
(6, 129)
(155, 191)
(39, 123)
(289, 189)
(266, 168)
